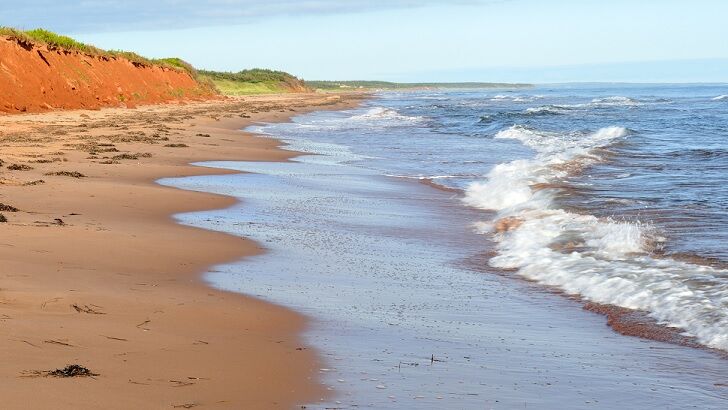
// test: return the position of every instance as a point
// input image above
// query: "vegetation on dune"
(230, 87)
(245, 82)
(255, 75)
(176, 62)
(386, 85)
(57, 41)
(253, 81)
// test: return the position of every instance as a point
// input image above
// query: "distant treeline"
(386, 85)
(255, 75)
(252, 81)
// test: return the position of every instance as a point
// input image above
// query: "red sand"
(35, 78)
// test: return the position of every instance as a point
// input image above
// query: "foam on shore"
(603, 260)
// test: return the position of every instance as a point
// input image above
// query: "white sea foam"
(323, 152)
(516, 98)
(422, 177)
(383, 114)
(372, 118)
(548, 109)
(603, 260)
(607, 102)
(720, 97)
(615, 101)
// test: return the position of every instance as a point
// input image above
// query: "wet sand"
(409, 315)
(95, 272)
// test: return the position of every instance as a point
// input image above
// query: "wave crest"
(516, 98)
(384, 114)
(616, 101)
(509, 184)
(603, 260)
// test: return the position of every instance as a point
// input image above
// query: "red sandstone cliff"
(35, 78)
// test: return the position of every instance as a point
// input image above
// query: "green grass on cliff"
(41, 36)
(48, 37)
(253, 81)
(54, 40)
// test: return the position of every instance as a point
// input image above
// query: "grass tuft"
(56, 40)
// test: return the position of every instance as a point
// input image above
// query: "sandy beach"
(95, 271)
(248, 204)
(408, 311)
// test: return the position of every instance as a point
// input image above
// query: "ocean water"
(407, 232)
(632, 178)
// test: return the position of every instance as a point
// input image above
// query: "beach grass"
(229, 87)
(254, 81)
(245, 82)
(58, 41)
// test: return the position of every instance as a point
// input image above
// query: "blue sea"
(426, 231)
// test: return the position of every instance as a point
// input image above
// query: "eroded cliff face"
(35, 78)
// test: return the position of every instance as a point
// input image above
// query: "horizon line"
(532, 82)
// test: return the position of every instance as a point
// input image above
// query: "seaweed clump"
(72, 174)
(19, 167)
(72, 370)
(8, 208)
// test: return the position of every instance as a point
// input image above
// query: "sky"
(409, 40)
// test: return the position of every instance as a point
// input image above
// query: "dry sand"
(95, 272)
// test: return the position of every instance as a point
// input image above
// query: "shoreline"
(624, 321)
(381, 351)
(89, 273)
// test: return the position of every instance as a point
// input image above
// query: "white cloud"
(72, 16)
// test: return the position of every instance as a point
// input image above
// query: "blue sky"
(409, 40)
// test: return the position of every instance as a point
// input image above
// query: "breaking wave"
(616, 101)
(604, 260)
(516, 98)
(608, 102)
(372, 118)
(548, 110)
(384, 114)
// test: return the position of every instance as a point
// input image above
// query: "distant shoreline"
(386, 85)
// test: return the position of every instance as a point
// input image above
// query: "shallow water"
(623, 186)
(409, 308)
